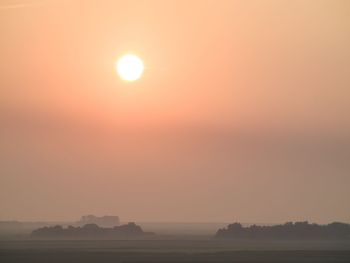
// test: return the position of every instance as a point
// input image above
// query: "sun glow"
(129, 67)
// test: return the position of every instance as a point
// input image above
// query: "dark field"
(200, 250)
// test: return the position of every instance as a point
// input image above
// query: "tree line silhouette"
(89, 231)
(289, 230)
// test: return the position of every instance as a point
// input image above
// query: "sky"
(242, 112)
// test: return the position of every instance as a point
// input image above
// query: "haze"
(242, 112)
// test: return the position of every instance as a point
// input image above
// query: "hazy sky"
(242, 113)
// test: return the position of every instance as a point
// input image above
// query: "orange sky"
(241, 113)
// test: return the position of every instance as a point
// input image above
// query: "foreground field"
(237, 256)
(173, 251)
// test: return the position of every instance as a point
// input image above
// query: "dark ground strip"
(76, 256)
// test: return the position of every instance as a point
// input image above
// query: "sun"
(129, 67)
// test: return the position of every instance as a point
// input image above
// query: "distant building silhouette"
(297, 230)
(90, 231)
(103, 221)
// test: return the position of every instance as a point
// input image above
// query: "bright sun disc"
(129, 67)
